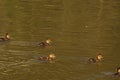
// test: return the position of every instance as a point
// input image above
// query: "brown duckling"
(7, 37)
(50, 57)
(46, 43)
(99, 58)
(117, 74)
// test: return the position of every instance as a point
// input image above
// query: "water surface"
(79, 29)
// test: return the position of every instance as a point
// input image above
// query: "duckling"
(46, 43)
(50, 57)
(99, 58)
(7, 37)
(117, 74)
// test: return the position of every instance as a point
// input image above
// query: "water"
(79, 29)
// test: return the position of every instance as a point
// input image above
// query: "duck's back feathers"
(91, 60)
(41, 44)
(2, 39)
(43, 58)
(116, 74)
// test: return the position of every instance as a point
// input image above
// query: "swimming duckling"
(46, 43)
(117, 74)
(7, 37)
(97, 59)
(50, 57)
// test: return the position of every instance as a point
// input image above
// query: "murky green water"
(79, 29)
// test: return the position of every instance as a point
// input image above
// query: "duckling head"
(99, 57)
(7, 36)
(118, 69)
(52, 56)
(48, 41)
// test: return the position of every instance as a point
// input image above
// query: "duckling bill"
(7, 37)
(99, 58)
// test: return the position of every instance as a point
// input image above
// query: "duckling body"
(6, 38)
(2, 39)
(97, 59)
(117, 74)
(43, 44)
(43, 58)
(46, 43)
(51, 57)
(92, 60)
